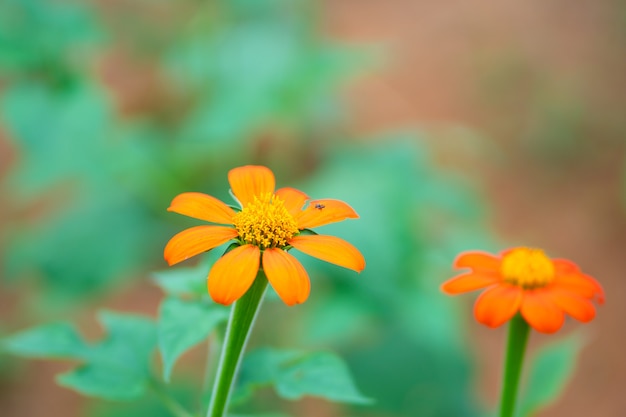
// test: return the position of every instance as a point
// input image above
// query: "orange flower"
(526, 280)
(267, 226)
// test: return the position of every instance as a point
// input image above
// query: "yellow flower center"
(527, 268)
(265, 222)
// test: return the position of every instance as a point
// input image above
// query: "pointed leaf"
(54, 340)
(552, 367)
(321, 375)
(118, 368)
(103, 381)
(295, 374)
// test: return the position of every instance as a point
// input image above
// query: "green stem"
(242, 316)
(516, 346)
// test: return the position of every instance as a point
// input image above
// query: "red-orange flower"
(526, 280)
(267, 226)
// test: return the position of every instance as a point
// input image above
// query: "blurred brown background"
(538, 91)
(494, 67)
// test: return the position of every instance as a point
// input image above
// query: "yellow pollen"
(527, 268)
(265, 222)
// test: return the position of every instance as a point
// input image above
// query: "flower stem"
(242, 316)
(516, 346)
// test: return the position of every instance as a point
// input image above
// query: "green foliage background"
(88, 177)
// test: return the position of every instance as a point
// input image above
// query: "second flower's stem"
(516, 346)
(242, 317)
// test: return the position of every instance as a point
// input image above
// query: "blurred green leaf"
(54, 340)
(101, 238)
(117, 368)
(182, 325)
(102, 380)
(293, 83)
(72, 168)
(295, 374)
(322, 375)
(37, 34)
(551, 369)
(62, 134)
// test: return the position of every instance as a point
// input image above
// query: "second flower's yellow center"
(527, 268)
(265, 222)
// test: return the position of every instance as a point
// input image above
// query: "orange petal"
(321, 212)
(478, 261)
(287, 276)
(578, 307)
(581, 284)
(497, 304)
(563, 266)
(294, 199)
(249, 181)
(330, 249)
(468, 282)
(195, 240)
(599, 291)
(540, 312)
(233, 274)
(203, 207)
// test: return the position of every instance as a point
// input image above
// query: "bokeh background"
(447, 125)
